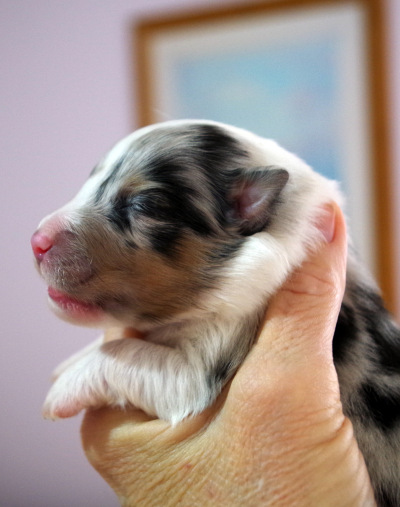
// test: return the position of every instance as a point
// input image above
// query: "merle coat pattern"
(183, 232)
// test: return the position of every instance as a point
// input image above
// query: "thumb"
(294, 348)
(301, 318)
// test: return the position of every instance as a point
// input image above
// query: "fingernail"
(326, 222)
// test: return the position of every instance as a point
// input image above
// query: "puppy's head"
(158, 222)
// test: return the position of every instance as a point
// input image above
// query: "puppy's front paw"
(63, 401)
(76, 358)
(73, 391)
(59, 407)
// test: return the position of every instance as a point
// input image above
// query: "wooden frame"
(181, 61)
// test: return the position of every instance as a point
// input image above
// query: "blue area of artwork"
(286, 92)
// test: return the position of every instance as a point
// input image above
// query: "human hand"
(276, 435)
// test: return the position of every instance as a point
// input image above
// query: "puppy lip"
(71, 305)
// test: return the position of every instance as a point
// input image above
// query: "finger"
(293, 354)
(110, 432)
(133, 451)
(301, 318)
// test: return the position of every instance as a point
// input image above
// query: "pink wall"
(65, 98)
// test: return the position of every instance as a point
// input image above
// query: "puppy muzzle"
(61, 259)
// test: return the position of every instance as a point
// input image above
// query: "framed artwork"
(308, 73)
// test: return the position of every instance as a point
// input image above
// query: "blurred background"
(67, 93)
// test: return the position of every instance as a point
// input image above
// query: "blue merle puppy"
(182, 233)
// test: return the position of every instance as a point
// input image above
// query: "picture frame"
(309, 73)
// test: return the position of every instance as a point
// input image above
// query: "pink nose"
(41, 244)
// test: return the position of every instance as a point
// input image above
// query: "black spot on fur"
(216, 145)
(119, 214)
(345, 333)
(130, 244)
(387, 339)
(225, 252)
(383, 409)
(164, 238)
(220, 373)
(109, 181)
(380, 327)
(205, 154)
(175, 201)
(150, 203)
(217, 149)
(385, 497)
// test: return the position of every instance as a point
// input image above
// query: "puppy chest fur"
(182, 233)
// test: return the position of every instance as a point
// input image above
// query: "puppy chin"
(76, 312)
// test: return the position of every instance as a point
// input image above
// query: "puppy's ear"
(254, 195)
